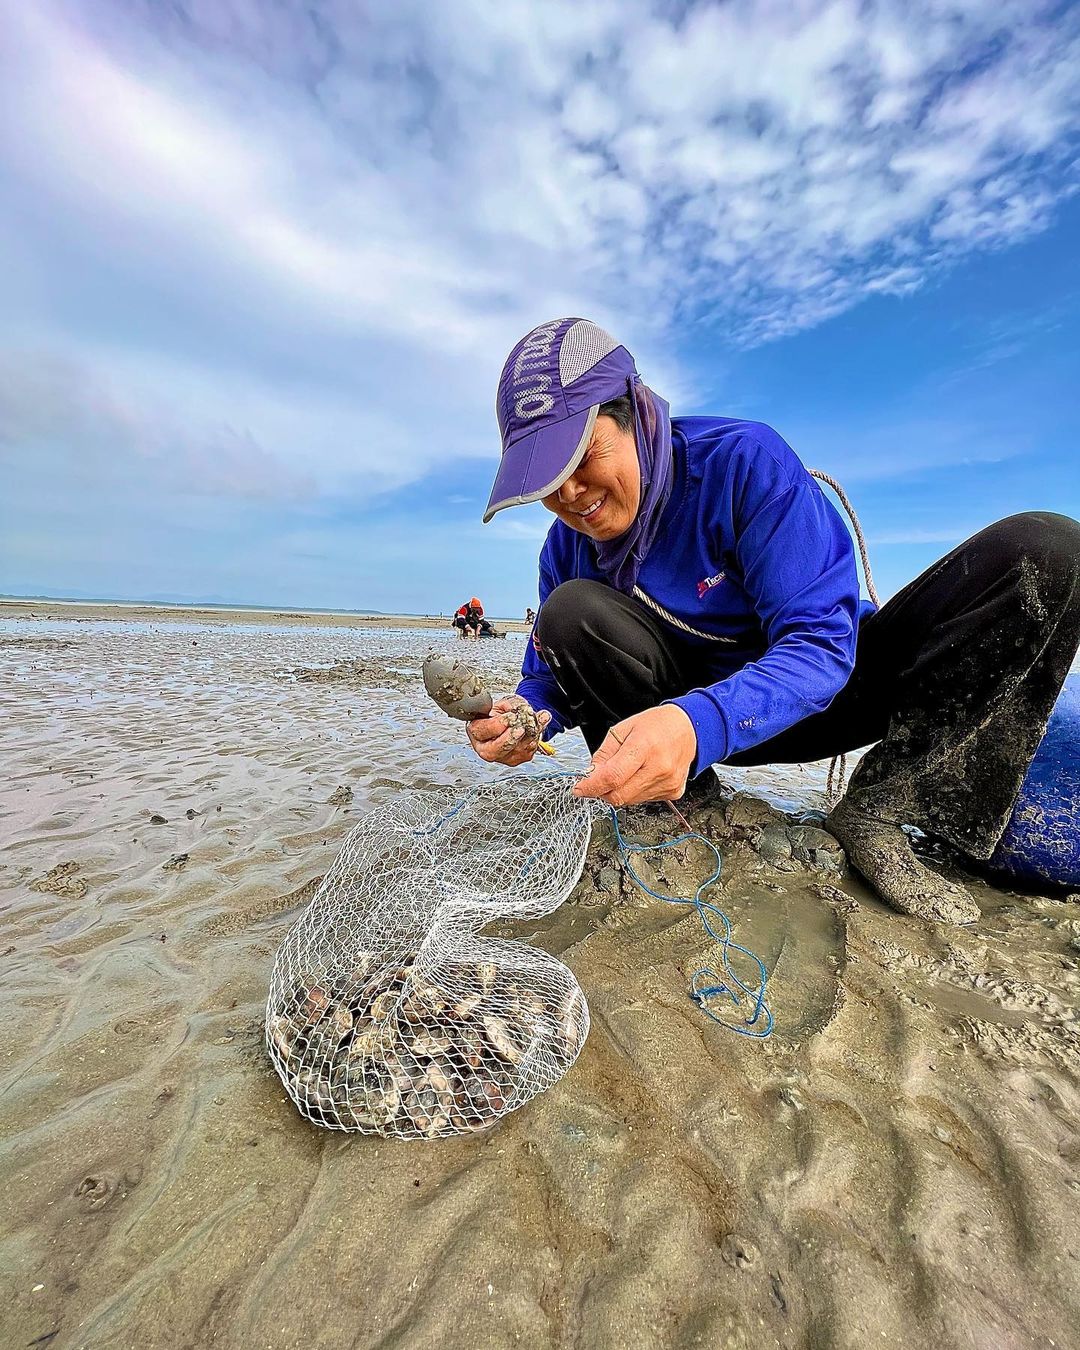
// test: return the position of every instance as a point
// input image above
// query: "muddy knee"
(1046, 547)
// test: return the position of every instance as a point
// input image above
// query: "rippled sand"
(898, 1166)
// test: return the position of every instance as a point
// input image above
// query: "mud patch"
(61, 880)
(226, 925)
(39, 643)
(358, 673)
(1031, 1044)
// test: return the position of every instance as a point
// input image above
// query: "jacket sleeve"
(797, 565)
(537, 685)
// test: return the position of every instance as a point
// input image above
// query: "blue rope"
(433, 829)
(717, 986)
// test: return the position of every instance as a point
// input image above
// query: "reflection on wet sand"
(898, 1165)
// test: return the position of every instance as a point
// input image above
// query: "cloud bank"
(281, 249)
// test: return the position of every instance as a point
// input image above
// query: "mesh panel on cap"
(582, 346)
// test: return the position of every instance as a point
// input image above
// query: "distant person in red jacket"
(469, 619)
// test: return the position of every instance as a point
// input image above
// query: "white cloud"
(380, 203)
(60, 406)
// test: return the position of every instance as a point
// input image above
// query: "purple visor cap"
(549, 393)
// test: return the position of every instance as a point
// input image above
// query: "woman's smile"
(592, 509)
(601, 497)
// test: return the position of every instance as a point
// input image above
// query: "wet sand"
(898, 1166)
(92, 611)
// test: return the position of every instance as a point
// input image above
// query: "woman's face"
(601, 497)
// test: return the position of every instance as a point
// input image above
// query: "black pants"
(955, 677)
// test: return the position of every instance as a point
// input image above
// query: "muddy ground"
(898, 1165)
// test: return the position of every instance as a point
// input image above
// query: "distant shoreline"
(132, 611)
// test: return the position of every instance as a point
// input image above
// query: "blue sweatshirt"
(748, 549)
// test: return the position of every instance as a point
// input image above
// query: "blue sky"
(263, 262)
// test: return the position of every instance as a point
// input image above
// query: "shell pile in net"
(387, 1051)
(390, 1010)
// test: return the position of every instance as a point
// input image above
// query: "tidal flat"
(897, 1165)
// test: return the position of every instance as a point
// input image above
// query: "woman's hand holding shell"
(510, 734)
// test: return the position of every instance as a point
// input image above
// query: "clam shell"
(456, 687)
(572, 1018)
(438, 1122)
(470, 1051)
(501, 1041)
(383, 1005)
(429, 997)
(362, 966)
(468, 1004)
(532, 1003)
(428, 1044)
(316, 1000)
(494, 1098)
(366, 1043)
(413, 1114)
(314, 1089)
(438, 1082)
(438, 1079)
(375, 1107)
(398, 1074)
(282, 1033)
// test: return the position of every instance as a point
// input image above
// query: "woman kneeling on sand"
(699, 605)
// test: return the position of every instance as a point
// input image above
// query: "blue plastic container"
(1042, 839)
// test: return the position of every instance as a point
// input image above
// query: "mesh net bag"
(389, 1012)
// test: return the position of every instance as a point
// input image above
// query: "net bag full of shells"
(389, 1011)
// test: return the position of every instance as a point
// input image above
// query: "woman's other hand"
(646, 758)
(499, 743)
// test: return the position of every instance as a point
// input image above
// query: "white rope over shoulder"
(834, 783)
(674, 620)
(871, 590)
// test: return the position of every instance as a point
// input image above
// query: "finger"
(505, 745)
(543, 720)
(614, 764)
(633, 792)
(639, 787)
(518, 754)
(496, 748)
(647, 786)
(605, 778)
(607, 750)
(480, 729)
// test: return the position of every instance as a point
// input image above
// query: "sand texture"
(899, 1166)
(86, 611)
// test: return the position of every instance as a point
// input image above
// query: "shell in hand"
(456, 687)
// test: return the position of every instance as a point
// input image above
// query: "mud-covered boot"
(881, 853)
